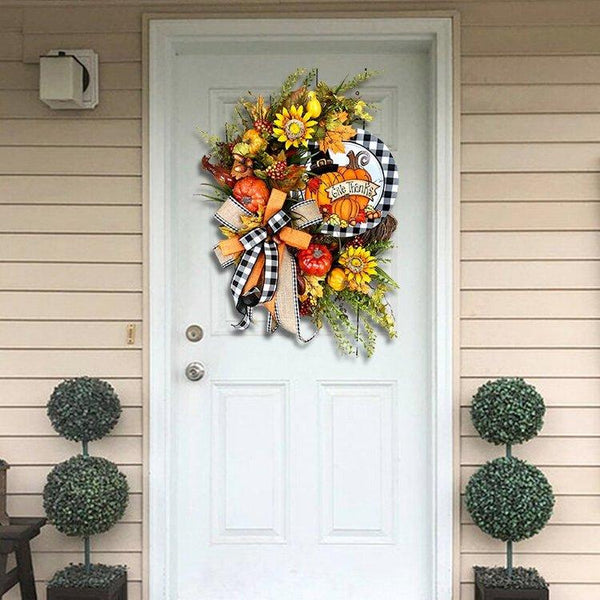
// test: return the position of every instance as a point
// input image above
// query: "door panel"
(300, 474)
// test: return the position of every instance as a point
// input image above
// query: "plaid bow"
(257, 274)
(256, 242)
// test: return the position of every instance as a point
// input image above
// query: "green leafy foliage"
(352, 317)
(99, 576)
(507, 411)
(509, 499)
(85, 495)
(84, 409)
(354, 82)
(287, 87)
(521, 578)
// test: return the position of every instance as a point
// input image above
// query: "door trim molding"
(161, 35)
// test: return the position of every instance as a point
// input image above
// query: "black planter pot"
(116, 591)
(486, 593)
(4, 520)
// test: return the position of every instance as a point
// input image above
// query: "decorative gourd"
(252, 192)
(320, 193)
(346, 208)
(354, 171)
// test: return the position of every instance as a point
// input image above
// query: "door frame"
(161, 33)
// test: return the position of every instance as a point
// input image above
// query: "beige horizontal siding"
(52, 189)
(557, 391)
(70, 276)
(71, 253)
(530, 274)
(66, 132)
(69, 161)
(530, 70)
(490, 187)
(530, 268)
(70, 219)
(550, 304)
(534, 333)
(550, 245)
(71, 248)
(52, 449)
(531, 216)
(70, 305)
(531, 127)
(523, 98)
(533, 39)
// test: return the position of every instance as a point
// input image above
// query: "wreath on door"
(304, 209)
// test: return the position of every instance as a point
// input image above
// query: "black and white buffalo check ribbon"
(256, 242)
(278, 275)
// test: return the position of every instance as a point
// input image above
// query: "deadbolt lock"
(194, 333)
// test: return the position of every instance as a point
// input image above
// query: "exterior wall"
(71, 254)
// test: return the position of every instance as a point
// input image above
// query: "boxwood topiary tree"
(508, 498)
(85, 495)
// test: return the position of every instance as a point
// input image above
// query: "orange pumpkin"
(320, 193)
(353, 171)
(346, 208)
(252, 192)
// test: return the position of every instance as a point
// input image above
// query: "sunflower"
(293, 128)
(358, 265)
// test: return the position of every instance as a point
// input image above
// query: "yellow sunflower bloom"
(359, 264)
(293, 127)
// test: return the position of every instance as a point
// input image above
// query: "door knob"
(195, 371)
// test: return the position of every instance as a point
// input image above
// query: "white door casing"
(168, 39)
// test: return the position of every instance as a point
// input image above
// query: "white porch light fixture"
(69, 79)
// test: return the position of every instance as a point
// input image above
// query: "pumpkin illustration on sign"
(347, 191)
(328, 190)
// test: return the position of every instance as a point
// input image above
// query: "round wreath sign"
(305, 198)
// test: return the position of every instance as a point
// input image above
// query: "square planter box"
(483, 593)
(117, 591)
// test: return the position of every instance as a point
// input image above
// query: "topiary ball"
(84, 409)
(85, 495)
(507, 411)
(509, 499)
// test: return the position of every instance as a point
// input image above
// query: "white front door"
(298, 473)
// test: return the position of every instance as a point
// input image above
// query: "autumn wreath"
(304, 200)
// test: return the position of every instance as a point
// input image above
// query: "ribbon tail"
(246, 320)
(271, 272)
(287, 311)
(241, 301)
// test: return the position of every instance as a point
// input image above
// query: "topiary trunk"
(87, 553)
(509, 544)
